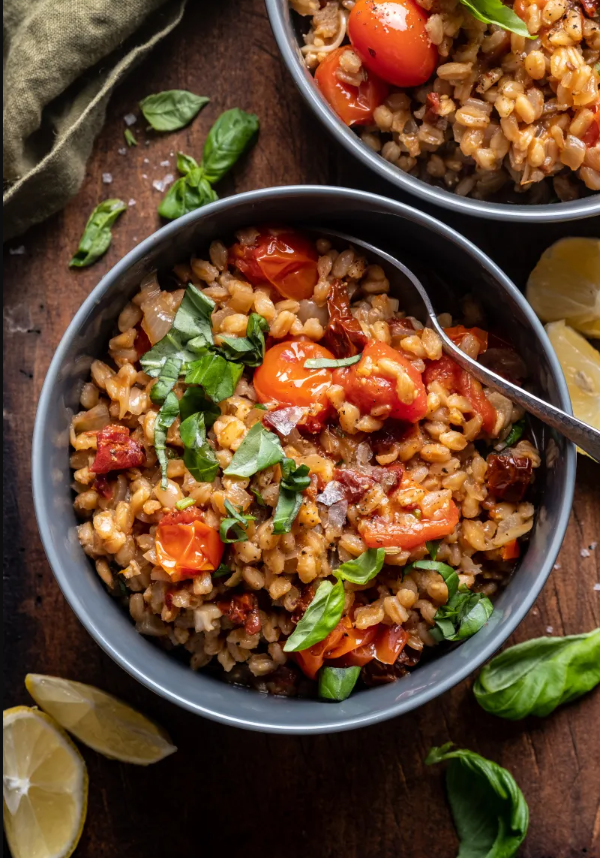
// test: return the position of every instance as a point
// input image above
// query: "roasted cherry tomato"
(285, 259)
(511, 550)
(458, 332)
(186, 546)
(353, 104)
(391, 40)
(385, 643)
(282, 377)
(116, 450)
(457, 380)
(370, 385)
(338, 643)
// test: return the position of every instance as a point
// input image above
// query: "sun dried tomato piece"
(392, 431)
(343, 334)
(356, 483)
(284, 681)
(306, 597)
(509, 476)
(590, 7)
(142, 342)
(102, 486)
(377, 673)
(252, 623)
(241, 609)
(117, 451)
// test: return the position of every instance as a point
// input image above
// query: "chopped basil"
(130, 137)
(535, 677)
(198, 456)
(463, 615)
(233, 529)
(97, 236)
(184, 503)
(324, 363)
(321, 617)
(293, 482)
(187, 194)
(172, 109)
(165, 418)
(258, 497)
(233, 133)
(218, 377)
(495, 12)
(337, 683)
(260, 407)
(259, 450)
(433, 547)
(250, 349)
(166, 381)
(194, 399)
(449, 574)
(222, 571)
(363, 568)
(190, 332)
(515, 433)
(489, 811)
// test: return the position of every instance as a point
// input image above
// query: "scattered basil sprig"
(198, 456)
(363, 568)
(331, 363)
(217, 376)
(190, 192)
(515, 433)
(97, 236)
(535, 677)
(321, 617)
(234, 528)
(250, 349)
(495, 12)
(129, 137)
(164, 420)
(166, 381)
(172, 109)
(293, 482)
(259, 450)
(489, 810)
(463, 615)
(337, 683)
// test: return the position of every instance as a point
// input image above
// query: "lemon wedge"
(100, 721)
(580, 362)
(565, 284)
(45, 786)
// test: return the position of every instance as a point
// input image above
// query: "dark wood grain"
(364, 794)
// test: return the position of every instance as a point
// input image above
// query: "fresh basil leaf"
(433, 547)
(222, 571)
(321, 617)
(449, 574)
(166, 381)
(172, 109)
(198, 456)
(236, 524)
(129, 137)
(165, 418)
(190, 332)
(463, 615)
(187, 194)
(515, 433)
(259, 450)
(535, 677)
(260, 407)
(233, 133)
(97, 236)
(258, 497)
(337, 683)
(194, 399)
(288, 507)
(294, 478)
(363, 568)
(185, 163)
(185, 503)
(250, 349)
(324, 363)
(489, 810)
(217, 376)
(495, 12)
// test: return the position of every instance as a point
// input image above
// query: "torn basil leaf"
(325, 363)
(515, 433)
(234, 528)
(129, 137)
(258, 497)
(293, 482)
(321, 617)
(463, 615)
(449, 574)
(165, 418)
(222, 571)
(250, 349)
(198, 456)
(535, 677)
(97, 236)
(233, 133)
(217, 376)
(433, 547)
(172, 109)
(166, 381)
(363, 568)
(337, 683)
(259, 450)
(187, 194)
(495, 12)
(489, 810)
(194, 399)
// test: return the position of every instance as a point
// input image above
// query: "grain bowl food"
(506, 107)
(281, 475)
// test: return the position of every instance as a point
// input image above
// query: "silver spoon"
(587, 438)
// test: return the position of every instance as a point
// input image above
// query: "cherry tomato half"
(391, 40)
(339, 643)
(385, 643)
(285, 259)
(369, 387)
(186, 546)
(282, 377)
(457, 380)
(353, 104)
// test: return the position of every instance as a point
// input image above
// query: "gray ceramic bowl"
(392, 226)
(286, 27)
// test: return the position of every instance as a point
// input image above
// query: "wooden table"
(363, 794)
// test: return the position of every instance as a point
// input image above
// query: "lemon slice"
(580, 362)
(45, 786)
(565, 284)
(100, 721)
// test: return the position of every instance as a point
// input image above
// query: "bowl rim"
(547, 213)
(135, 666)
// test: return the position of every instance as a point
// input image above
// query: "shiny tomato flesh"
(590, 138)
(342, 640)
(385, 644)
(353, 104)
(368, 387)
(457, 380)
(457, 333)
(282, 377)
(511, 550)
(392, 41)
(186, 546)
(286, 260)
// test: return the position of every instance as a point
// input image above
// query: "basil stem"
(321, 617)
(172, 109)
(129, 137)
(97, 236)
(164, 420)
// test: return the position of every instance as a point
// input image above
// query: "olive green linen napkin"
(62, 60)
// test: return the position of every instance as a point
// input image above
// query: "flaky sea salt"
(122, 150)
(107, 178)
(592, 546)
(146, 161)
(131, 202)
(584, 553)
(17, 251)
(165, 163)
(144, 175)
(161, 184)
(332, 493)
(549, 629)
(556, 566)
(596, 587)
(130, 119)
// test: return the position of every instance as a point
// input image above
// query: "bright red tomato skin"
(353, 104)
(406, 533)
(116, 450)
(392, 41)
(285, 259)
(282, 378)
(186, 546)
(453, 378)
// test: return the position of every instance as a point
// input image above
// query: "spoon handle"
(586, 438)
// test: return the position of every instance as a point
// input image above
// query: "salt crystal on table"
(17, 251)
(584, 553)
(161, 184)
(122, 150)
(130, 119)
(146, 160)
(107, 178)
(593, 546)
(144, 175)
(549, 629)
(556, 566)
(131, 202)
(596, 587)
(165, 163)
